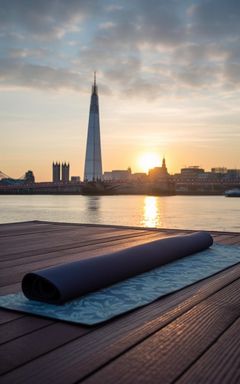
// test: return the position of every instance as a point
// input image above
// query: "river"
(184, 212)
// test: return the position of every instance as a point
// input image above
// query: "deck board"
(152, 360)
(36, 349)
(220, 363)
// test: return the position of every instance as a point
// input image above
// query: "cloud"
(196, 76)
(214, 19)
(144, 48)
(20, 74)
(16, 53)
(15, 74)
(45, 18)
(232, 74)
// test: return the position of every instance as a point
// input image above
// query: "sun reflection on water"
(151, 214)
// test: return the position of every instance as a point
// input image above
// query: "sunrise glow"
(149, 160)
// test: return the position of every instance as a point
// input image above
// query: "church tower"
(164, 167)
(93, 159)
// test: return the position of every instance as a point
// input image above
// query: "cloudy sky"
(168, 73)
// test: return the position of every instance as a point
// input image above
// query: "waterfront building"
(193, 171)
(29, 177)
(75, 179)
(160, 180)
(221, 170)
(233, 174)
(139, 177)
(65, 172)
(56, 172)
(118, 174)
(158, 172)
(93, 159)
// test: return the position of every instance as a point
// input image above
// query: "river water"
(184, 212)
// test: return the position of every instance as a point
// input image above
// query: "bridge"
(5, 176)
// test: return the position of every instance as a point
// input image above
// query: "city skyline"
(168, 76)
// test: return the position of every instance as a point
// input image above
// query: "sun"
(149, 160)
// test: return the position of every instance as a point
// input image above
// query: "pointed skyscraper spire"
(94, 78)
(93, 159)
(94, 87)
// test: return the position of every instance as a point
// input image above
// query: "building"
(118, 174)
(29, 177)
(139, 177)
(75, 179)
(193, 171)
(160, 182)
(158, 172)
(56, 172)
(65, 172)
(93, 159)
(221, 170)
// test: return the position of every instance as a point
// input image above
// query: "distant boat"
(235, 192)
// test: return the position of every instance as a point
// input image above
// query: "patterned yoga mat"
(132, 293)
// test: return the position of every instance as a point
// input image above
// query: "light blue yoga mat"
(132, 293)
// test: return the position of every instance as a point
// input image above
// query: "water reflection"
(93, 203)
(151, 214)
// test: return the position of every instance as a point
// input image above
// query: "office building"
(93, 159)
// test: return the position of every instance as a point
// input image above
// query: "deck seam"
(28, 333)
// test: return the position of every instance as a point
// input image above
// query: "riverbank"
(119, 188)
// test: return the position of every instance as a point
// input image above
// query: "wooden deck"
(191, 336)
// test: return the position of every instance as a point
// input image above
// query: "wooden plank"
(7, 316)
(22, 326)
(16, 234)
(91, 243)
(20, 224)
(65, 246)
(37, 224)
(55, 232)
(225, 238)
(164, 356)
(234, 241)
(45, 339)
(80, 357)
(229, 241)
(220, 363)
(11, 288)
(54, 239)
(21, 229)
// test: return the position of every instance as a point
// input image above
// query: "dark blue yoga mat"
(132, 293)
(60, 284)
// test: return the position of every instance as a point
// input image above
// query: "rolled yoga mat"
(56, 285)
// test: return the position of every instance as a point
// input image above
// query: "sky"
(168, 74)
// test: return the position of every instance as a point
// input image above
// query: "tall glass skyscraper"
(93, 159)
